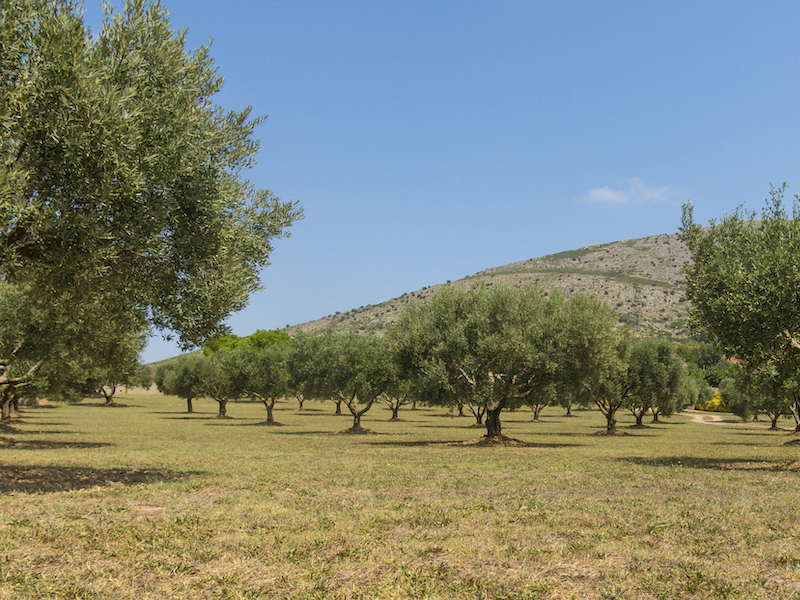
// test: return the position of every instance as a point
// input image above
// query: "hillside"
(641, 279)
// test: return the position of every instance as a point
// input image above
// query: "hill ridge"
(641, 278)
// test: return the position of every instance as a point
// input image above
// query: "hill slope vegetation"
(642, 279)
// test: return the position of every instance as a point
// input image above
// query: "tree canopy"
(120, 174)
(744, 282)
(499, 348)
(122, 195)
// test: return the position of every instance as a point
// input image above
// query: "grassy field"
(145, 501)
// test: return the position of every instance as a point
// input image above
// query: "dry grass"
(144, 501)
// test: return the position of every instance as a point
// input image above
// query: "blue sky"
(427, 140)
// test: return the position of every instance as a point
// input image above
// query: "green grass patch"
(146, 501)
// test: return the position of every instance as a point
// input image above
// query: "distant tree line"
(486, 351)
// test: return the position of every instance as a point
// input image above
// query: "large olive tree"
(122, 196)
(498, 348)
(744, 282)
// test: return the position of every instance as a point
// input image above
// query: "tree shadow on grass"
(454, 426)
(754, 431)
(282, 431)
(192, 416)
(104, 405)
(475, 442)
(623, 431)
(12, 444)
(32, 480)
(35, 423)
(252, 423)
(717, 464)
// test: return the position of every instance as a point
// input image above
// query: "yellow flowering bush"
(716, 404)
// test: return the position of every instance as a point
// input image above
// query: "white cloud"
(637, 193)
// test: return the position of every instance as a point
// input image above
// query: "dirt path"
(703, 417)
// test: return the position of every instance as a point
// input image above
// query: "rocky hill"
(642, 279)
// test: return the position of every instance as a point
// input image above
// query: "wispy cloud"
(637, 193)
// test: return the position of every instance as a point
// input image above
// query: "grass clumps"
(148, 501)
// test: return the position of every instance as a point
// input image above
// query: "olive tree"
(656, 378)
(744, 281)
(498, 348)
(122, 195)
(645, 375)
(349, 369)
(265, 373)
(182, 377)
(222, 379)
(754, 391)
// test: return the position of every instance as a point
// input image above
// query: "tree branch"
(794, 343)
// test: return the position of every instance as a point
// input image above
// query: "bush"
(716, 404)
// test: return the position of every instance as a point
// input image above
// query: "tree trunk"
(569, 410)
(655, 412)
(15, 403)
(493, 427)
(478, 414)
(300, 401)
(270, 406)
(357, 420)
(537, 410)
(338, 407)
(6, 407)
(223, 410)
(109, 396)
(414, 405)
(639, 417)
(189, 407)
(774, 420)
(611, 422)
(395, 410)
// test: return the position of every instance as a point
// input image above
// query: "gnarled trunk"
(611, 422)
(223, 407)
(269, 404)
(493, 427)
(478, 413)
(6, 403)
(655, 411)
(537, 410)
(108, 395)
(189, 407)
(774, 420)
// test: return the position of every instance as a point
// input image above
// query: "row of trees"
(486, 351)
(123, 206)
